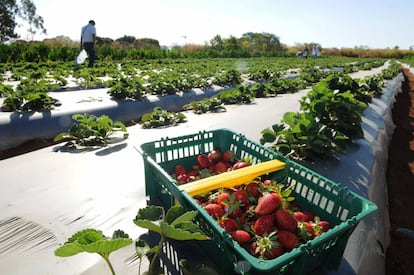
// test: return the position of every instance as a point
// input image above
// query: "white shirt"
(87, 33)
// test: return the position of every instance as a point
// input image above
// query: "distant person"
(305, 52)
(88, 41)
(315, 51)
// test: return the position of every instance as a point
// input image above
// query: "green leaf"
(68, 250)
(148, 215)
(118, 234)
(173, 213)
(179, 234)
(186, 217)
(268, 135)
(107, 246)
(86, 236)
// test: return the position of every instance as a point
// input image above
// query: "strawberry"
(268, 203)
(241, 236)
(266, 247)
(240, 164)
(179, 170)
(306, 231)
(193, 173)
(182, 179)
(215, 155)
(253, 189)
(324, 225)
(223, 198)
(203, 161)
(309, 216)
(285, 221)
(264, 224)
(229, 225)
(241, 196)
(274, 252)
(215, 210)
(287, 239)
(220, 167)
(228, 156)
(300, 216)
(267, 183)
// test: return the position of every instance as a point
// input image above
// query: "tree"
(263, 42)
(26, 10)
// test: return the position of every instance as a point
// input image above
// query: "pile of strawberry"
(262, 218)
(208, 164)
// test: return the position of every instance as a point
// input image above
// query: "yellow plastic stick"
(232, 178)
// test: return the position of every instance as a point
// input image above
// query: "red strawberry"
(241, 197)
(182, 179)
(266, 247)
(325, 225)
(267, 182)
(253, 189)
(268, 203)
(310, 217)
(274, 252)
(228, 156)
(215, 155)
(241, 236)
(220, 167)
(203, 161)
(264, 224)
(215, 210)
(285, 221)
(229, 225)
(179, 170)
(287, 239)
(193, 173)
(306, 231)
(240, 164)
(223, 198)
(300, 216)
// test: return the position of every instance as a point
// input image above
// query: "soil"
(400, 179)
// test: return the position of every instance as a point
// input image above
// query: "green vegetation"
(160, 117)
(176, 224)
(93, 241)
(89, 130)
(330, 117)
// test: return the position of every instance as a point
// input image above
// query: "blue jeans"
(89, 48)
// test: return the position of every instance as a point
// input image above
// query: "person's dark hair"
(92, 22)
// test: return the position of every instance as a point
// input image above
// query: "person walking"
(88, 41)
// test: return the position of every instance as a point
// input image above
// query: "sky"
(331, 23)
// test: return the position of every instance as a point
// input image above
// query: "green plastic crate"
(327, 199)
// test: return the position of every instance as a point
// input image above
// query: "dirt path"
(400, 179)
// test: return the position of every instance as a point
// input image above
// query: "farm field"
(242, 118)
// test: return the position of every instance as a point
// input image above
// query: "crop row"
(135, 79)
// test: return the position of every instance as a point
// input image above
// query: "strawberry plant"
(89, 130)
(127, 88)
(301, 136)
(93, 241)
(176, 224)
(205, 105)
(227, 78)
(339, 110)
(22, 101)
(160, 118)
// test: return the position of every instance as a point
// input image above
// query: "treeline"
(128, 47)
